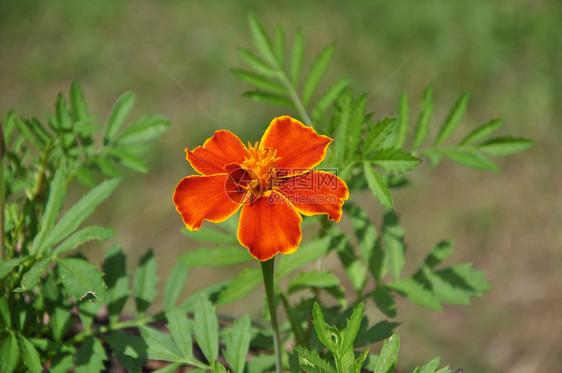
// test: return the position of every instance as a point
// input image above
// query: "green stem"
(295, 97)
(268, 270)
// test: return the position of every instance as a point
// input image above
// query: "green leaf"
(81, 279)
(9, 352)
(84, 235)
(210, 235)
(316, 73)
(384, 301)
(342, 130)
(280, 45)
(91, 356)
(433, 154)
(117, 116)
(463, 276)
(356, 120)
(77, 103)
(376, 134)
(29, 135)
(378, 185)
(395, 160)
(62, 115)
(439, 253)
(179, 327)
(256, 63)
(172, 368)
(365, 232)
(310, 359)
(128, 159)
(205, 327)
(245, 282)
(416, 293)
(269, 98)
(130, 350)
(358, 363)
(482, 132)
(237, 343)
(215, 256)
(354, 269)
(350, 332)
(297, 57)
(117, 281)
(261, 40)
(160, 345)
(260, 81)
(507, 145)
(54, 203)
(393, 238)
(429, 367)
(328, 98)
(389, 355)
(422, 127)
(305, 254)
(325, 334)
(5, 313)
(6, 266)
(470, 157)
(29, 355)
(85, 177)
(80, 212)
(312, 279)
(403, 121)
(144, 283)
(174, 285)
(143, 129)
(32, 277)
(453, 119)
(62, 363)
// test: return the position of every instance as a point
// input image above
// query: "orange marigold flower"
(272, 181)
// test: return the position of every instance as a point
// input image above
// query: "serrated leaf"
(77, 103)
(79, 212)
(342, 130)
(328, 98)
(81, 279)
(502, 146)
(323, 331)
(260, 81)
(297, 57)
(470, 157)
(358, 363)
(393, 238)
(482, 132)
(463, 276)
(389, 355)
(245, 282)
(310, 359)
(54, 203)
(403, 121)
(269, 98)
(160, 345)
(205, 328)
(174, 285)
(365, 232)
(354, 269)
(356, 120)
(261, 40)
(439, 253)
(416, 293)
(144, 283)
(312, 279)
(256, 63)
(9, 352)
(376, 134)
(422, 127)
(130, 350)
(305, 254)
(33, 275)
(215, 256)
(179, 327)
(26, 131)
(91, 356)
(6, 266)
(429, 367)
(29, 355)
(237, 343)
(117, 281)
(384, 301)
(280, 45)
(117, 116)
(128, 159)
(378, 185)
(352, 328)
(453, 119)
(84, 235)
(316, 73)
(143, 129)
(395, 160)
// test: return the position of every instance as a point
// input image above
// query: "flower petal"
(299, 146)
(218, 151)
(269, 225)
(316, 192)
(214, 198)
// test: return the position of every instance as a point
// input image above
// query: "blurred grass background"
(507, 54)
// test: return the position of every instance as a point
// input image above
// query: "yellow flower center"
(261, 167)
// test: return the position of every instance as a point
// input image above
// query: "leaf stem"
(295, 97)
(268, 270)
